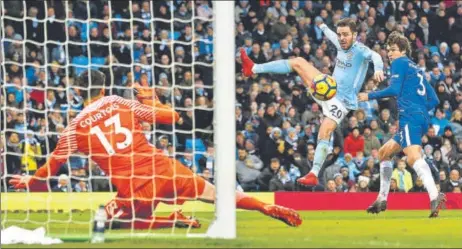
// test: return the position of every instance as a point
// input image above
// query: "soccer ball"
(324, 87)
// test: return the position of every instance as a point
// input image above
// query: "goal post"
(69, 214)
(224, 225)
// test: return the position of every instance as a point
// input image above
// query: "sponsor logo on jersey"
(343, 64)
(349, 55)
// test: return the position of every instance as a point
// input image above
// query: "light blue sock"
(320, 156)
(278, 67)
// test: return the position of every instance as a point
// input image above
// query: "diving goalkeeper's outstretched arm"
(67, 144)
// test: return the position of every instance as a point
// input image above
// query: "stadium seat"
(275, 45)
(199, 147)
(174, 35)
(97, 62)
(83, 32)
(433, 49)
(80, 64)
(137, 54)
(30, 75)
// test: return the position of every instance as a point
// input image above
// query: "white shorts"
(333, 109)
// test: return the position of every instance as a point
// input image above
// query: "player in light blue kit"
(415, 97)
(350, 70)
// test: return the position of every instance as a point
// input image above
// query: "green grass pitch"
(319, 229)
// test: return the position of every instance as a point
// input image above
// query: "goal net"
(169, 46)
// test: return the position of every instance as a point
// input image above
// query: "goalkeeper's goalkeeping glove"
(28, 182)
(145, 95)
(148, 96)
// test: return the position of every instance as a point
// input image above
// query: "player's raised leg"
(386, 169)
(305, 70)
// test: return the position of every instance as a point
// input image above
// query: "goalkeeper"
(109, 131)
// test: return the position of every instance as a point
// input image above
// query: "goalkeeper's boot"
(286, 215)
(377, 207)
(181, 221)
(308, 180)
(437, 204)
(247, 63)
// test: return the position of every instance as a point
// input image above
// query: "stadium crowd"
(276, 120)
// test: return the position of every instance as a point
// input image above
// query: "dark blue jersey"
(408, 84)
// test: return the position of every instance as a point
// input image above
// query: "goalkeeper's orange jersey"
(109, 131)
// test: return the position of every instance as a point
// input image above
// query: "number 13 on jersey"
(114, 120)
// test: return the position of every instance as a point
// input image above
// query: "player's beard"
(347, 44)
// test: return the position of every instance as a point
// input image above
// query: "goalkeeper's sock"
(425, 173)
(277, 67)
(386, 170)
(246, 202)
(320, 156)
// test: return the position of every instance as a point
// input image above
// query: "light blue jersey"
(350, 68)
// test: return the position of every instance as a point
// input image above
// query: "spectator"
(418, 186)
(452, 182)
(188, 160)
(385, 120)
(394, 186)
(353, 171)
(379, 133)
(448, 152)
(63, 184)
(331, 186)
(81, 186)
(363, 183)
(207, 161)
(13, 149)
(207, 175)
(281, 181)
(340, 185)
(267, 174)
(31, 151)
(354, 142)
(248, 169)
(370, 141)
(402, 176)
(439, 122)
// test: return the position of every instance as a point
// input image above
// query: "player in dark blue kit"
(415, 97)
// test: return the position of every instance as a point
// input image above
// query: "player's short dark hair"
(348, 22)
(90, 83)
(398, 39)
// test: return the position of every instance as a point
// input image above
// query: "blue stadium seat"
(433, 49)
(275, 45)
(83, 32)
(199, 144)
(30, 75)
(97, 62)
(80, 64)
(174, 35)
(137, 54)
